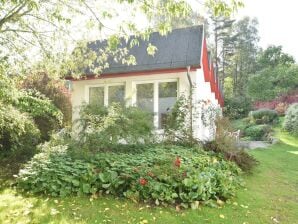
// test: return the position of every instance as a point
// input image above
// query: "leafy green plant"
(258, 132)
(160, 174)
(291, 119)
(52, 89)
(45, 114)
(237, 107)
(18, 133)
(263, 116)
(103, 128)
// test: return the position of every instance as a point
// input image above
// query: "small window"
(116, 94)
(96, 95)
(167, 97)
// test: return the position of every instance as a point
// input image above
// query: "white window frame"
(155, 96)
(105, 92)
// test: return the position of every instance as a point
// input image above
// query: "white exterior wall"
(80, 88)
(201, 91)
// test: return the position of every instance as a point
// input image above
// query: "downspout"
(190, 102)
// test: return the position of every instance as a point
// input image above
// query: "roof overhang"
(134, 73)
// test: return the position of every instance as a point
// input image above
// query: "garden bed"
(159, 174)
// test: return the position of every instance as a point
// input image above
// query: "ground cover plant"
(269, 196)
(160, 175)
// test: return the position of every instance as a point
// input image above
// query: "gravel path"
(254, 144)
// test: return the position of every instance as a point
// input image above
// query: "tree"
(274, 56)
(222, 27)
(272, 82)
(48, 28)
(243, 60)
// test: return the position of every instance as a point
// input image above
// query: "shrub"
(263, 116)
(18, 133)
(227, 145)
(258, 132)
(52, 89)
(163, 175)
(46, 115)
(237, 107)
(281, 108)
(103, 128)
(291, 119)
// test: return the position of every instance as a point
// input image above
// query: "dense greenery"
(272, 82)
(291, 119)
(104, 127)
(263, 116)
(278, 164)
(237, 107)
(160, 174)
(27, 117)
(54, 89)
(46, 115)
(18, 132)
(258, 132)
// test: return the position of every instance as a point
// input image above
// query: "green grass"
(271, 193)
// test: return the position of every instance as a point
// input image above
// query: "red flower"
(177, 162)
(143, 181)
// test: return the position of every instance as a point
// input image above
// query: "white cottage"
(181, 62)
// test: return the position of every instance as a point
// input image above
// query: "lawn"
(270, 196)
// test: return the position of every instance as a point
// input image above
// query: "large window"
(96, 95)
(167, 96)
(107, 94)
(158, 98)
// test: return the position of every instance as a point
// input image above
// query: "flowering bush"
(291, 119)
(163, 175)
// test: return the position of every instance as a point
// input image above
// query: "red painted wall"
(209, 75)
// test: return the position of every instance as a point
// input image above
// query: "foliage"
(53, 89)
(103, 128)
(48, 27)
(273, 82)
(273, 56)
(281, 108)
(278, 160)
(258, 132)
(46, 115)
(237, 107)
(164, 175)
(18, 133)
(291, 119)
(227, 145)
(179, 124)
(263, 116)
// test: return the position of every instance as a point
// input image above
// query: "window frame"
(155, 96)
(106, 91)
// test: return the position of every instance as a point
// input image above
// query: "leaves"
(130, 175)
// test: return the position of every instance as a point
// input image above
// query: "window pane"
(167, 98)
(96, 95)
(145, 96)
(116, 94)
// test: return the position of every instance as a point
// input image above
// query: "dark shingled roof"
(180, 48)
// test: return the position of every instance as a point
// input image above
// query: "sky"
(278, 22)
